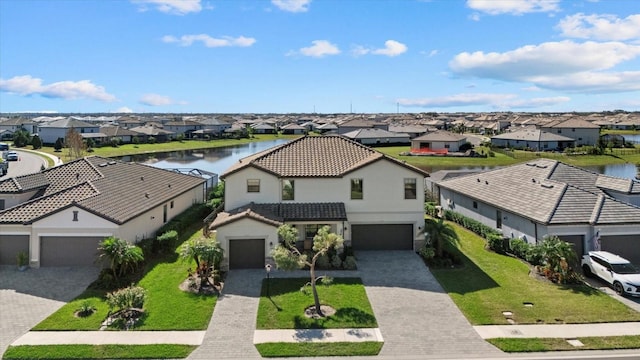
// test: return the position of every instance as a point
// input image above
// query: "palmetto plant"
(437, 233)
(123, 257)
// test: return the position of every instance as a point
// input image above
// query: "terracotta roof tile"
(278, 213)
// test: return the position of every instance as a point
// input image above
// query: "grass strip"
(554, 344)
(156, 351)
(284, 308)
(319, 349)
(488, 284)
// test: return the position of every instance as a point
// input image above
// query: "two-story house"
(582, 131)
(373, 201)
(50, 132)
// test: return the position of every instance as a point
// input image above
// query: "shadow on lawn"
(342, 315)
(465, 279)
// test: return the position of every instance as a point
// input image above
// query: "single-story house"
(378, 137)
(534, 139)
(437, 141)
(547, 197)
(59, 215)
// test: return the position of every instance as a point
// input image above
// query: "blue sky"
(327, 56)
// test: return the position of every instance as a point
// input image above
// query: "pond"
(218, 160)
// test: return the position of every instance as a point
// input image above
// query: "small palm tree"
(206, 252)
(123, 257)
(438, 232)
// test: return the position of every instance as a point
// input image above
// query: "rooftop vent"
(142, 178)
(102, 164)
(548, 186)
(478, 179)
(146, 195)
(111, 163)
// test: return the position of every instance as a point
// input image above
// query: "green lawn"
(131, 149)
(319, 349)
(489, 284)
(550, 344)
(98, 352)
(167, 307)
(284, 309)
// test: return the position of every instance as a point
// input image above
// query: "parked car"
(623, 276)
(12, 156)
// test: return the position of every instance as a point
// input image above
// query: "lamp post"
(268, 269)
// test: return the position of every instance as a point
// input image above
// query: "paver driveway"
(416, 317)
(26, 298)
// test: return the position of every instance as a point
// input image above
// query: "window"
(356, 189)
(164, 213)
(288, 190)
(253, 185)
(75, 215)
(1, 204)
(171, 204)
(475, 204)
(310, 230)
(446, 146)
(498, 219)
(410, 189)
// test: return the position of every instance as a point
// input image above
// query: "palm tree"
(438, 232)
(206, 252)
(123, 257)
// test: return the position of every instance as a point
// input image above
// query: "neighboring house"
(214, 125)
(358, 124)
(437, 141)
(125, 136)
(327, 127)
(9, 126)
(263, 128)
(546, 197)
(293, 129)
(375, 202)
(50, 132)
(147, 131)
(60, 215)
(375, 137)
(185, 127)
(582, 131)
(533, 139)
(413, 130)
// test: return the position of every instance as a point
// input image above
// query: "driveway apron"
(230, 332)
(415, 315)
(28, 297)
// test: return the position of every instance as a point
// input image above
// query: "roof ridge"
(597, 209)
(34, 200)
(558, 200)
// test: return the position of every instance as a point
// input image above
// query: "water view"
(218, 160)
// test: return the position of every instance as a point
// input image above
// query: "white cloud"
(122, 110)
(513, 7)
(391, 48)
(292, 5)
(457, 100)
(156, 100)
(209, 41)
(503, 101)
(557, 65)
(176, 7)
(27, 85)
(600, 27)
(320, 48)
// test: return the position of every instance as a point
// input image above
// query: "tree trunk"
(314, 290)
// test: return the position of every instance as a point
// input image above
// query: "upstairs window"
(253, 185)
(288, 190)
(356, 189)
(410, 188)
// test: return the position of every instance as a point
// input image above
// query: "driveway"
(597, 283)
(26, 298)
(416, 317)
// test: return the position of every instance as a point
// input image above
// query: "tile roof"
(440, 136)
(549, 192)
(315, 156)
(374, 133)
(278, 213)
(121, 190)
(532, 135)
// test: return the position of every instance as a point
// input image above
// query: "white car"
(12, 156)
(623, 276)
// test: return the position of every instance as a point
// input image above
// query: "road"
(28, 163)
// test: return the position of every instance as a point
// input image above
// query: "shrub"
(336, 262)
(151, 140)
(167, 240)
(86, 308)
(323, 262)
(427, 252)
(534, 255)
(519, 248)
(350, 263)
(496, 243)
(127, 298)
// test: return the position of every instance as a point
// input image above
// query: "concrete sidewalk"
(110, 337)
(562, 331)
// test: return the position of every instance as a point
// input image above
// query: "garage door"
(382, 237)
(69, 250)
(627, 246)
(246, 254)
(10, 246)
(578, 244)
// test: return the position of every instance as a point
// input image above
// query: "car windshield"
(627, 268)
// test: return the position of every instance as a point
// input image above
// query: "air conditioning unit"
(439, 211)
